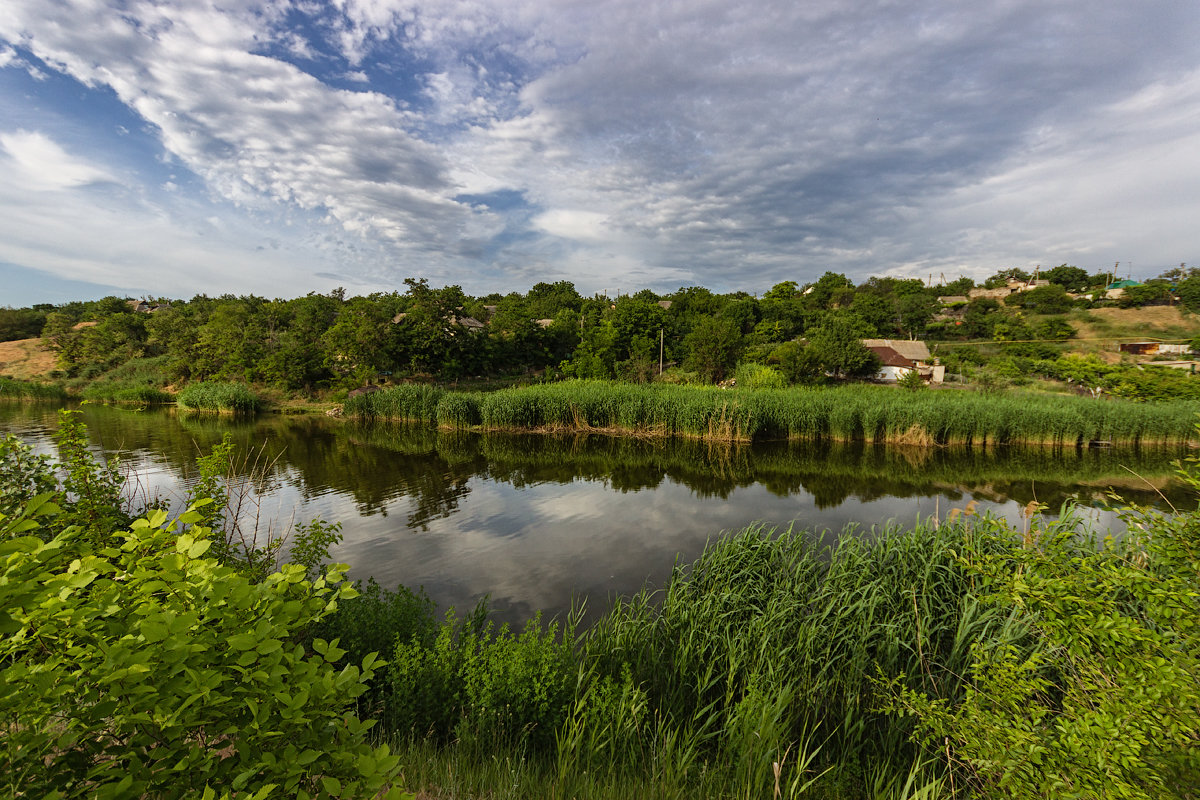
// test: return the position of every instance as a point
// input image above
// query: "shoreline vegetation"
(866, 413)
(958, 658)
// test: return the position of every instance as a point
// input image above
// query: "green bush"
(150, 670)
(757, 376)
(1103, 698)
(487, 689)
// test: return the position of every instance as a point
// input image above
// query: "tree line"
(323, 341)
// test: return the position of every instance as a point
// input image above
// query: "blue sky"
(174, 147)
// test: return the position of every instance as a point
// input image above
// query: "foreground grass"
(841, 413)
(968, 659)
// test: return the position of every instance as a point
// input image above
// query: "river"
(540, 522)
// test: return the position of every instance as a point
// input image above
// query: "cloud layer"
(620, 145)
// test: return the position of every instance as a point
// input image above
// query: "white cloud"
(44, 166)
(733, 145)
(586, 226)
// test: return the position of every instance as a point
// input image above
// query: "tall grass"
(139, 381)
(27, 390)
(417, 402)
(219, 396)
(756, 673)
(842, 413)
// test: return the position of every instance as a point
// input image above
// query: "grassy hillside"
(26, 359)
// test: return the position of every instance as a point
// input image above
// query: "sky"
(278, 147)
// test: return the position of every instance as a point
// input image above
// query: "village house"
(899, 357)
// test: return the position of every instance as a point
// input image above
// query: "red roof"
(890, 358)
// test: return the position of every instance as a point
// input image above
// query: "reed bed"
(758, 672)
(124, 394)
(417, 402)
(26, 390)
(219, 396)
(843, 413)
(774, 642)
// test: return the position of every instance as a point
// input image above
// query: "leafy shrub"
(1102, 700)
(488, 689)
(757, 376)
(149, 669)
(373, 622)
(912, 381)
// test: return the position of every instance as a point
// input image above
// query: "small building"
(901, 356)
(994, 294)
(664, 305)
(1154, 349)
(145, 307)
(470, 323)
(892, 365)
(1140, 348)
(1117, 288)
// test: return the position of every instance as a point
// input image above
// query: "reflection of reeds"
(843, 413)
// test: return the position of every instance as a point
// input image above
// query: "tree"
(831, 289)
(796, 361)
(1001, 278)
(713, 347)
(1073, 279)
(1189, 293)
(836, 345)
(20, 323)
(1144, 295)
(1049, 299)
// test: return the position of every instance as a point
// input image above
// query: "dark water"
(537, 521)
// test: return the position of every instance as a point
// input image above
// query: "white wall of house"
(892, 374)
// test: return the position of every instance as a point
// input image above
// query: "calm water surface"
(535, 522)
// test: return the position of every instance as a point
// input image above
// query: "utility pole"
(660, 351)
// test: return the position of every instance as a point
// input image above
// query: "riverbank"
(858, 412)
(962, 656)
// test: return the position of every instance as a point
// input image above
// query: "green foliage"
(1189, 293)
(842, 413)
(1102, 699)
(488, 689)
(219, 396)
(912, 381)
(310, 543)
(1073, 279)
(21, 323)
(713, 347)
(1144, 295)
(836, 344)
(758, 376)
(23, 475)
(140, 381)
(412, 401)
(148, 669)
(27, 390)
(90, 490)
